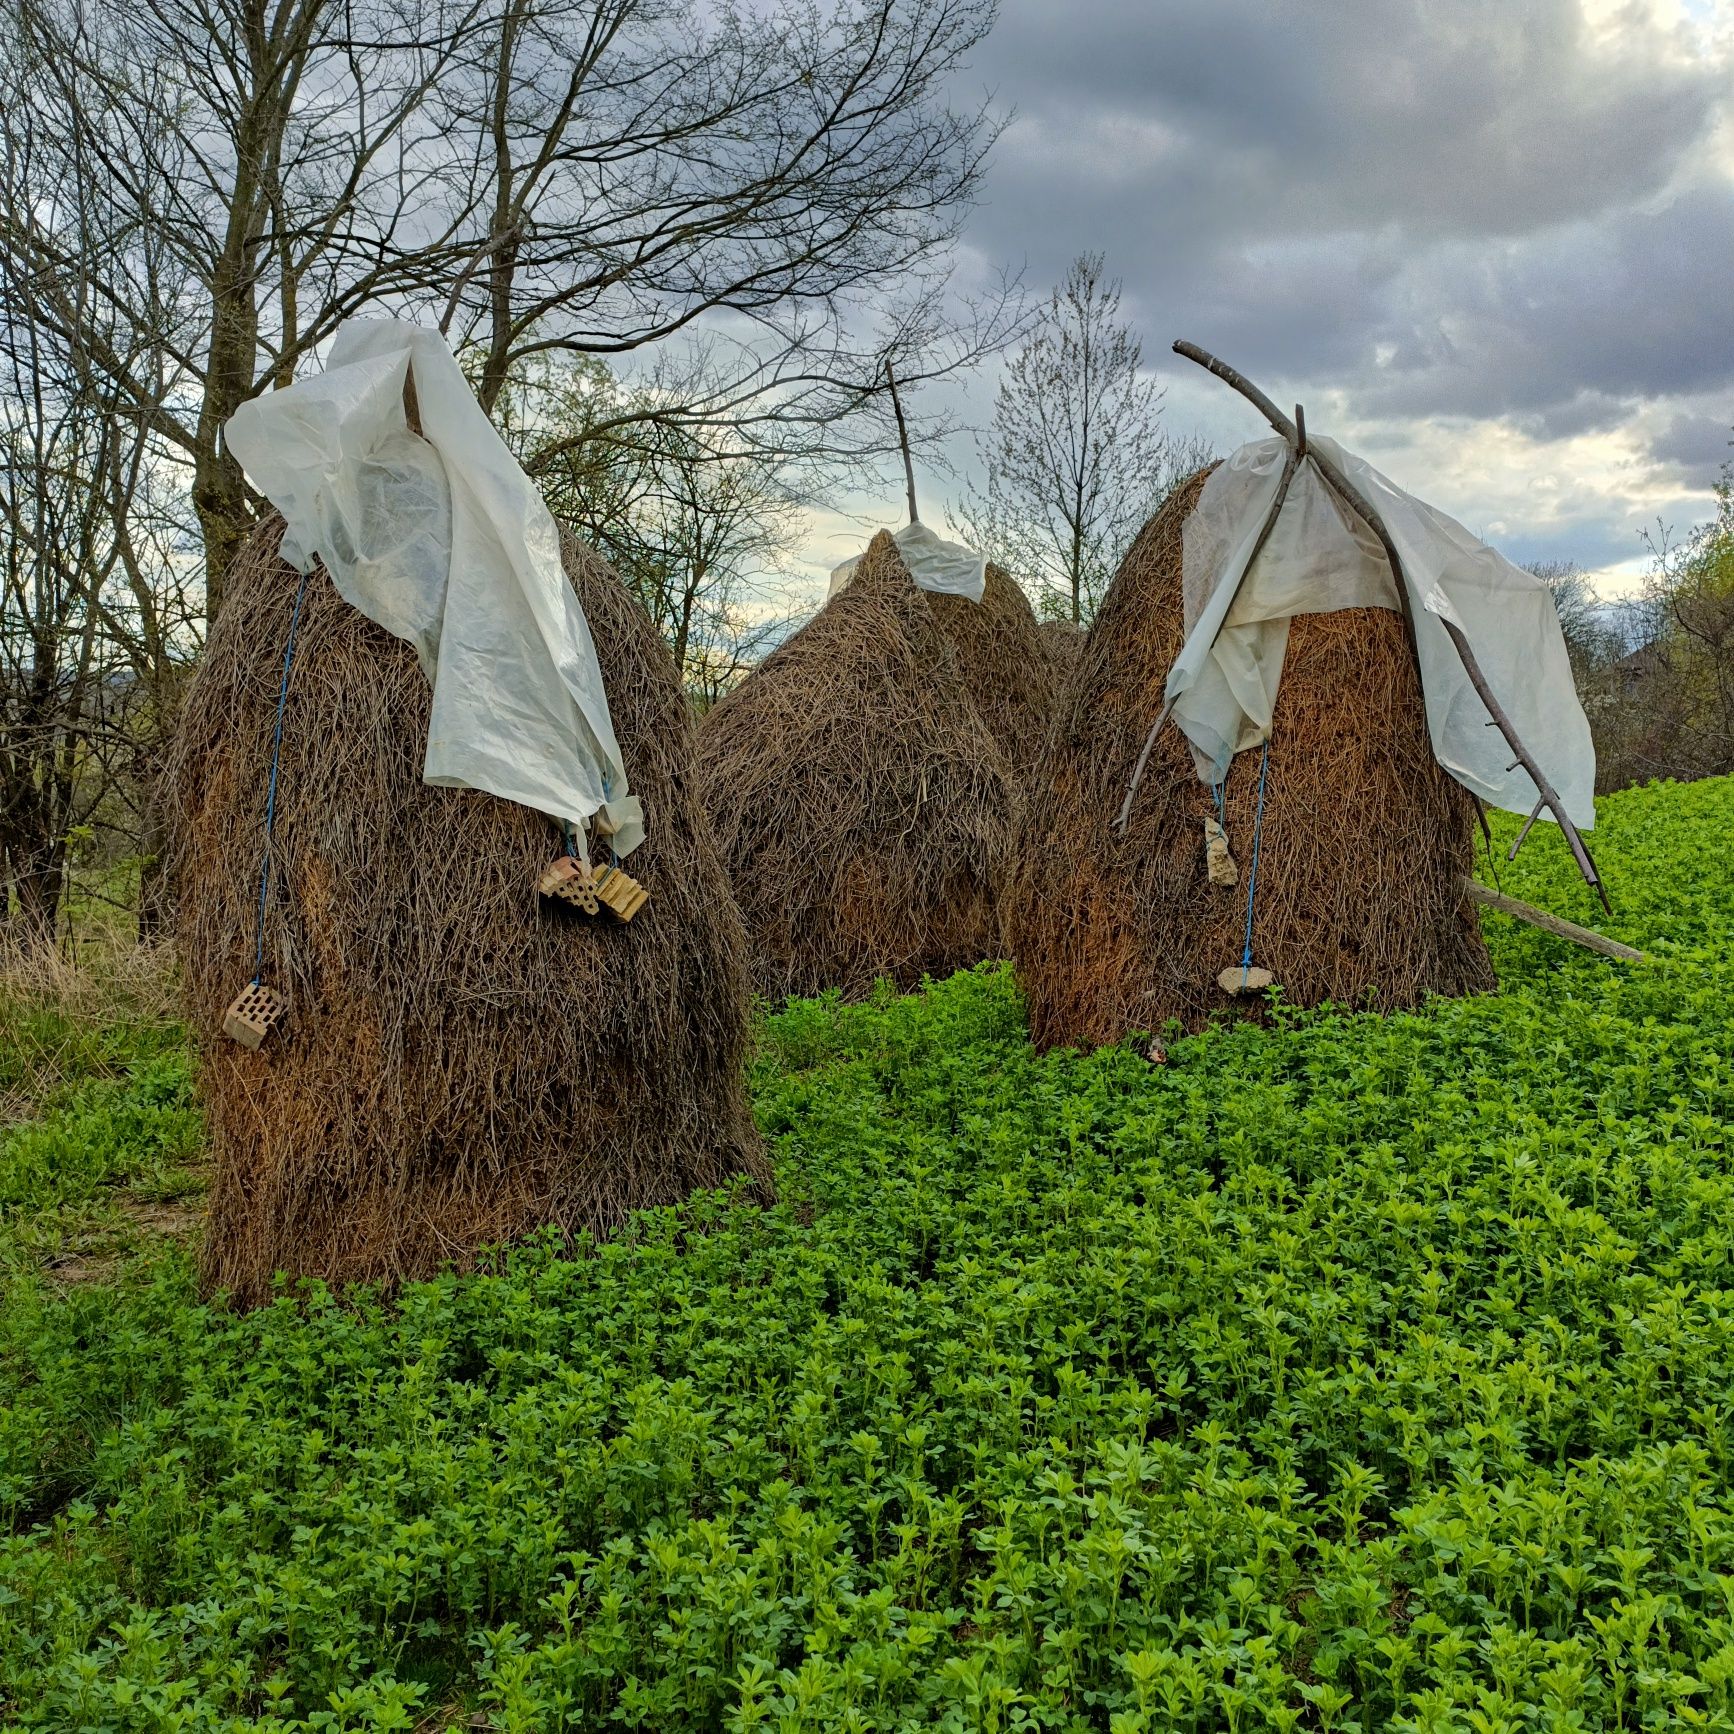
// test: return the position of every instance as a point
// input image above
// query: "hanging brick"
(253, 1013)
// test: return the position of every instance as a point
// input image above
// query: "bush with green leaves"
(1352, 1373)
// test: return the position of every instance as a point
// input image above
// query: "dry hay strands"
(1063, 644)
(1364, 841)
(862, 804)
(1006, 664)
(460, 1062)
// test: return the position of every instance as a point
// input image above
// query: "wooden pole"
(411, 403)
(1353, 497)
(1546, 789)
(1476, 892)
(903, 440)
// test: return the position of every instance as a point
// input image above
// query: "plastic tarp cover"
(443, 540)
(1320, 557)
(945, 568)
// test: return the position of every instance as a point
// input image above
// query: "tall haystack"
(1005, 664)
(1362, 847)
(461, 1061)
(862, 805)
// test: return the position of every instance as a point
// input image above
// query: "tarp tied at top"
(1320, 557)
(945, 568)
(443, 540)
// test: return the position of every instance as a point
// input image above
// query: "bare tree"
(269, 167)
(93, 618)
(778, 187)
(1077, 456)
(1591, 630)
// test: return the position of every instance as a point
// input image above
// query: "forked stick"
(1353, 497)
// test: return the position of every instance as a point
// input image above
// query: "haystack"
(461, 1062)
(1006, 664)
(1363, 842)
(1063, 643)
(862, 805)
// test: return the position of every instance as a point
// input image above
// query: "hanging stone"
(1217, 860)
(1236, 979)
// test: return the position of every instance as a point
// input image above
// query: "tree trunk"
(219, 488)
(500, 278)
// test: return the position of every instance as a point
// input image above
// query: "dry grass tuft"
(58, 1013)
(460, 1063)
(1363, 843)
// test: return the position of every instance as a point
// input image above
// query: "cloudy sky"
(1488, 243)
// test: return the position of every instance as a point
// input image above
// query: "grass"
(1353, 1374)
(99, 1142)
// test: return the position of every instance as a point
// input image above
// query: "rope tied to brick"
(271, 780)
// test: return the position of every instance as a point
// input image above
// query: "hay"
(1005, 663)
(460, 1064)
(1063, 644)
(1364, 836)
(862, 805)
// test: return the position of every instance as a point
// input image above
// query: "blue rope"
(1216, 790)
(271, 785)
(1252, 876)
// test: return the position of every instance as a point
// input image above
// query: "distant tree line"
(1656, 671)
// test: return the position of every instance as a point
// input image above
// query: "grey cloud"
(1700, 444)
(1252, 118)
(1443, 209)
(1631, 307)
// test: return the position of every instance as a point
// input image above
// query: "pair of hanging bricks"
(590, 888)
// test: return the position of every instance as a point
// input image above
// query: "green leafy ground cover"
(1355, 1374)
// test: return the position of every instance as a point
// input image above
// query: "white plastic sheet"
(1321, 557)
(945, 568)
(443, 540)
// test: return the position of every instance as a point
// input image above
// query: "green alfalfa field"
(1357, 1373)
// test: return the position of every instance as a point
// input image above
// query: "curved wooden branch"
(1241, 383)
(1354, 498)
